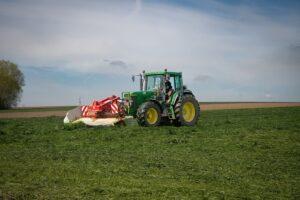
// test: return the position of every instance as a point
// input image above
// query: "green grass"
(230, 154)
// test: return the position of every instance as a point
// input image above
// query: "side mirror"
(184, 87)
(133, 78)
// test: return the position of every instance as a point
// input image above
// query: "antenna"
(79, 101)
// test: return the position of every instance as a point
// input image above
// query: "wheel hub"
(152, 116)
(188, 112)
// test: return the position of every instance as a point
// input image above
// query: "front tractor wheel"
(149, 114)
(187, 111)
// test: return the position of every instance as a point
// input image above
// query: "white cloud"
(268, 95)
(241, 49)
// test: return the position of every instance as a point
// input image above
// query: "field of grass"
(230, 154)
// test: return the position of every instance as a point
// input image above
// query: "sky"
(232, 50)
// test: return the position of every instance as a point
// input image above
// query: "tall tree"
(11, 82)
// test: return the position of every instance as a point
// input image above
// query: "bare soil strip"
(11, 115)
(203, 106)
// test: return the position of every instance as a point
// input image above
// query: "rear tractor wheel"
(187, 111)
(149, 114)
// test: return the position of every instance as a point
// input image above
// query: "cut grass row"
(234, 154)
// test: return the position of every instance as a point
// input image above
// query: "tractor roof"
(162, 73)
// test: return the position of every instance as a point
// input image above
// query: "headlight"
(128, 102)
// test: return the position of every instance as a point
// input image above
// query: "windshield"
(154, 82)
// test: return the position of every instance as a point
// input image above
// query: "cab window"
(172, 81)
(177, 83)
(153, 82)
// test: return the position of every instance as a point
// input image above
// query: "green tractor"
(162, 98)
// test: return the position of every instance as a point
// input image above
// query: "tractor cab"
(157, 83)
(159, 94)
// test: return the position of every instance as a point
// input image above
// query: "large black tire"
(179, 111)
(144, 112)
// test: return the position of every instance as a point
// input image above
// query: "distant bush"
(11, 82)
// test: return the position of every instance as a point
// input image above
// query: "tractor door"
(169, 93)
(176, 82)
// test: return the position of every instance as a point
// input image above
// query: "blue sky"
(227, 50)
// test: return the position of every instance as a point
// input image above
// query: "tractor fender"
(188, 92)
(157, 103)
(176, 95)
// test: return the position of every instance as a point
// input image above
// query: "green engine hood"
(125, 95)
(136, 98)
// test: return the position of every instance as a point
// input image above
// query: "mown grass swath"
(238, 154)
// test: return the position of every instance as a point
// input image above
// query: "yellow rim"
(188, 112)
(152, 116)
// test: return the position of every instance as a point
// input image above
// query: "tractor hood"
(135, 99)
(137, 94)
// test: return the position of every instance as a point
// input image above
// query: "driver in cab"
(169, 91)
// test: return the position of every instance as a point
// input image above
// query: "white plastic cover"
(73, 115)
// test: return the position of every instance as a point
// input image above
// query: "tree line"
(11, 83)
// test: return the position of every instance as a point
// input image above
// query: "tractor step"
(171, 113)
